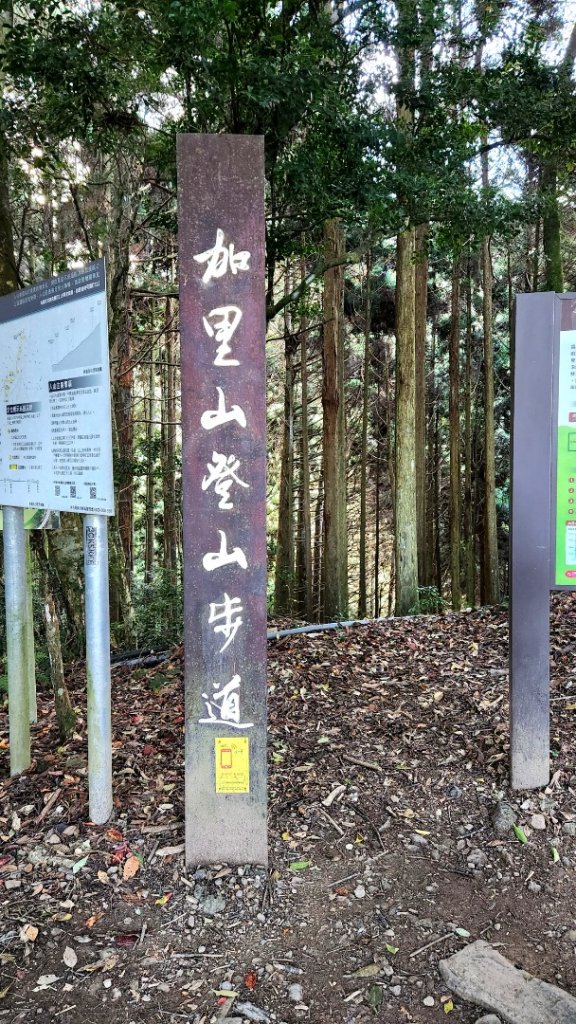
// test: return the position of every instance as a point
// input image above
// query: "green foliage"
(158, 615)
(430, 602)
(67, 76)
(158, 681)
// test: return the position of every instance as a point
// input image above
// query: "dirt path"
(391, 840)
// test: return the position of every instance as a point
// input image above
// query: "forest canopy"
(419, 175)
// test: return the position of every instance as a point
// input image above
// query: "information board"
(565, 555)
(55, 417)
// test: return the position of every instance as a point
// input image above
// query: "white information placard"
(55, 416)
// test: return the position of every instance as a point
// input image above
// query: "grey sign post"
(222, 324)
(543, 526)
(17, 637)
(98, 667)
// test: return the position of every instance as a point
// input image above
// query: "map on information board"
(55, 417)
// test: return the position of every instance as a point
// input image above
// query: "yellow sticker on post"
(232, 764)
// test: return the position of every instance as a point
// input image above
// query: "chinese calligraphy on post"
(223, 701)
(222, 314)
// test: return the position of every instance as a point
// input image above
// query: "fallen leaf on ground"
(126, 938)
(131, 866)
(300, 865)
(69, 957)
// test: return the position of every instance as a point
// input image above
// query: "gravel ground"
(394, 841)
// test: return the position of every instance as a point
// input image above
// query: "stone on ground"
(483, 976)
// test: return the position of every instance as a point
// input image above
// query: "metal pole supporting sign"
(97, 613)
(17, 638)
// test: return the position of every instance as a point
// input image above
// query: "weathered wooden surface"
(483, 976)
(222, 323)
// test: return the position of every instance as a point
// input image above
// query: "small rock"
(37, 855)
(503, 817)
(547, 803)
(359, 892)
(570, 935)
(252, 1012)
(488, 1018)
(295, 993)
(454, 792)
(428, 1000)
(396, 990)
(533, 886)
(477, 858)
(538, 822)
(569, 828)
(212, 905)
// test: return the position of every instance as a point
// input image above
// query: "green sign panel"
(565, 574)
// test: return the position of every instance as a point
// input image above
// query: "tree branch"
(317, 271)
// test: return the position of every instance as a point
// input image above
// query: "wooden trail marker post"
(543, 516)
(222, 330)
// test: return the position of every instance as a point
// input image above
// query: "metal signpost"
(34, 519)
(56, 453)
(222, 324)
(543, 516)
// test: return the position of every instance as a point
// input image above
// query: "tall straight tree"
(454, 415)
(304, 544)
(468, 521)
(551, 242)
(284, 576)
(362, 588)
(405, 534)
(420, 324)
(8, 272)
(335, 546)
(405, 436)
(491, 575)
(168, 440)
